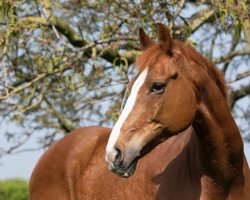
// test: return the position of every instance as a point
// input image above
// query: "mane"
(152, 54)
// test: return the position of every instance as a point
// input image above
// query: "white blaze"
(127, 109)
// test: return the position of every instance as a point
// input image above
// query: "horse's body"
(177, 97)
(74, 168)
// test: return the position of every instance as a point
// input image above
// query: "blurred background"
(65, 64)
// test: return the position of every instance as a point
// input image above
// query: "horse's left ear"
(145, 41)
(165, 39)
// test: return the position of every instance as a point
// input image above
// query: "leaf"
(238, 29)
(67, 81)
(50, 68)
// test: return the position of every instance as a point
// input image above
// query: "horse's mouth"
(125, 172)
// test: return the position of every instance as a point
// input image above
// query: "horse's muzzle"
(115, 160)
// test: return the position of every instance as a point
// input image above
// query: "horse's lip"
(131, 169)
(125, 172)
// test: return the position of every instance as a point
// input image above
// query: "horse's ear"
(165, 39)
(145, 41)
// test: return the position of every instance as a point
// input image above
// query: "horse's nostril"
(118, 157)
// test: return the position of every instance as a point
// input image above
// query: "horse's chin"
(126, 172)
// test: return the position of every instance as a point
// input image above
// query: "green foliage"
(14, 189)
(234, 14)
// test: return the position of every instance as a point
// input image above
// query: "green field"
(14, 189)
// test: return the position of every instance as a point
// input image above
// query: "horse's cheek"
(179, 108)
(168, 110)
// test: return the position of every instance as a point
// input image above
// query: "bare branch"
(66, 124)
(193, 23)
(19, 144)
(62, 26)
(231, 55)
(179, 8)
(197, 20)
(241, 76)
(240, 93)
(232, 48)
(22, 87)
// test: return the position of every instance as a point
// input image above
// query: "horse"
(175, 138)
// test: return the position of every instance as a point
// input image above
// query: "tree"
(66, 64)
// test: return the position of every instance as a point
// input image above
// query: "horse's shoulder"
(81, 140)
(76, 146)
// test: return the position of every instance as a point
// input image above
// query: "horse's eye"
(158, 87)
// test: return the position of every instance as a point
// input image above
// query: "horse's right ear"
(165, 39)
(145, 41)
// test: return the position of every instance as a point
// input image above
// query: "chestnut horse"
(177, 97)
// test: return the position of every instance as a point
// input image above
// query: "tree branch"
(231, 55)
(193, 23)
(240, 93)
(78, 41)
(22, 87)
(66, 124)
(241, 76)
(38, 78)
(198, 19)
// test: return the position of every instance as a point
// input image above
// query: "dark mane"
(152, 54)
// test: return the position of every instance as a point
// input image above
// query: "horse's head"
(162, 103)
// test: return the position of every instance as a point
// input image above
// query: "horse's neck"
(219, 142)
